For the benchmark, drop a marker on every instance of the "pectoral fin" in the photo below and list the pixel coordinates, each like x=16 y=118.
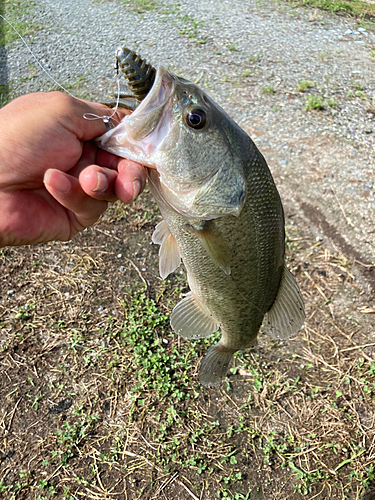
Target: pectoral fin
x=214 y=243
x=160 y=233
x=287 y=314
x=169 y=254
x=191 y=321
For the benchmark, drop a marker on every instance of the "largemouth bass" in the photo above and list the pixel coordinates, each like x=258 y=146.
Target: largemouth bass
x=222 y=215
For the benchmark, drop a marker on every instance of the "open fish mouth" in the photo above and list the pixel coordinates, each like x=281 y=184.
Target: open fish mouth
x=159 y=93
x=139 y=134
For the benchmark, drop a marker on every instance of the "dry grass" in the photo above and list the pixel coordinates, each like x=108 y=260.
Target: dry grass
x=100 y=400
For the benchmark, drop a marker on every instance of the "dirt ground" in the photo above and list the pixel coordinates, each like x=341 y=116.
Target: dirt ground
x=100 y=400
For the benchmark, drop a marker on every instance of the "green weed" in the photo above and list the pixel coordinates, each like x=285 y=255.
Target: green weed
x=254 y=59
x=192 y=27
x=4 y=95
x=246 y=73
x=141 y=6
x=314 y=103
x=157 y=367
x=72 y=435
x=303 y=85
x=268 y=89
x=307 y=479
x=331 y=102
x=350 y=7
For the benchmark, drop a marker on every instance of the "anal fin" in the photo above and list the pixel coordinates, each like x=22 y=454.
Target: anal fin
x=191 y=321
x=287 y=313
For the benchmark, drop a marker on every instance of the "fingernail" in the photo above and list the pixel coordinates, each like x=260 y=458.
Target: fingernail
x=101 y=182
x=136 y=188
x=58 y=181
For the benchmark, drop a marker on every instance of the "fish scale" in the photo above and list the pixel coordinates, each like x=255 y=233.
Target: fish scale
x=241 y=314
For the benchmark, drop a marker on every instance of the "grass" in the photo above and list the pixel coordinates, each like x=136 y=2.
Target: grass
x=4 y=95
x=356 y=8
x=304 y=85
x=158 y=369
x=112 y=397
x=191 y=28
x=268 y=89
x=317 y=103
x=141 y=6
x=17 y=12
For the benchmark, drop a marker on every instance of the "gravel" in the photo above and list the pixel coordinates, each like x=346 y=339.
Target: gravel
x=250 y=57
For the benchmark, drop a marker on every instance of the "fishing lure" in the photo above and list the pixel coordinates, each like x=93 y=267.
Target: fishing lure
x=139 y=76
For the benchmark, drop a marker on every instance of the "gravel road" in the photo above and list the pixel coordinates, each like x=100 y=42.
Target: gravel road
x=250 y=57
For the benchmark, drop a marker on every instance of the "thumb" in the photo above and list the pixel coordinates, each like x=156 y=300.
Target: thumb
x=86 y=119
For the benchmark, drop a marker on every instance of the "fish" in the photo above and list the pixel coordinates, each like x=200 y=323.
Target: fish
x=222 y=217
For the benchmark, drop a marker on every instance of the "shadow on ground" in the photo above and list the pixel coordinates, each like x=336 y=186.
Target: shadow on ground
x=4 y=84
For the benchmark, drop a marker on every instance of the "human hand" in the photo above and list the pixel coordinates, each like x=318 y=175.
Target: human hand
x=53 y=181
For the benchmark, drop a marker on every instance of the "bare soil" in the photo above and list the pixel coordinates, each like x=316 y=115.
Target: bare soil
x=295 y=419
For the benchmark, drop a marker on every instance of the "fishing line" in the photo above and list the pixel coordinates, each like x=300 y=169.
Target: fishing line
x=36 y=59
x=87 y=116
x=107 y=119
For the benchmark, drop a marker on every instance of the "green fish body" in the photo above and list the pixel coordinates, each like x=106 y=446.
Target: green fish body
x=222 y=215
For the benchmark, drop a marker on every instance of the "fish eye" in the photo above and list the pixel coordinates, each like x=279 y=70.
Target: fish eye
x=196 y=118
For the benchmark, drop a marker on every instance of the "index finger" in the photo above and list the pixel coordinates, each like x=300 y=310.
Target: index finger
x=131 y=180
x=108 y=160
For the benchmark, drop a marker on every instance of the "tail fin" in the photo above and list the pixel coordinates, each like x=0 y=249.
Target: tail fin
x=215 y=365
